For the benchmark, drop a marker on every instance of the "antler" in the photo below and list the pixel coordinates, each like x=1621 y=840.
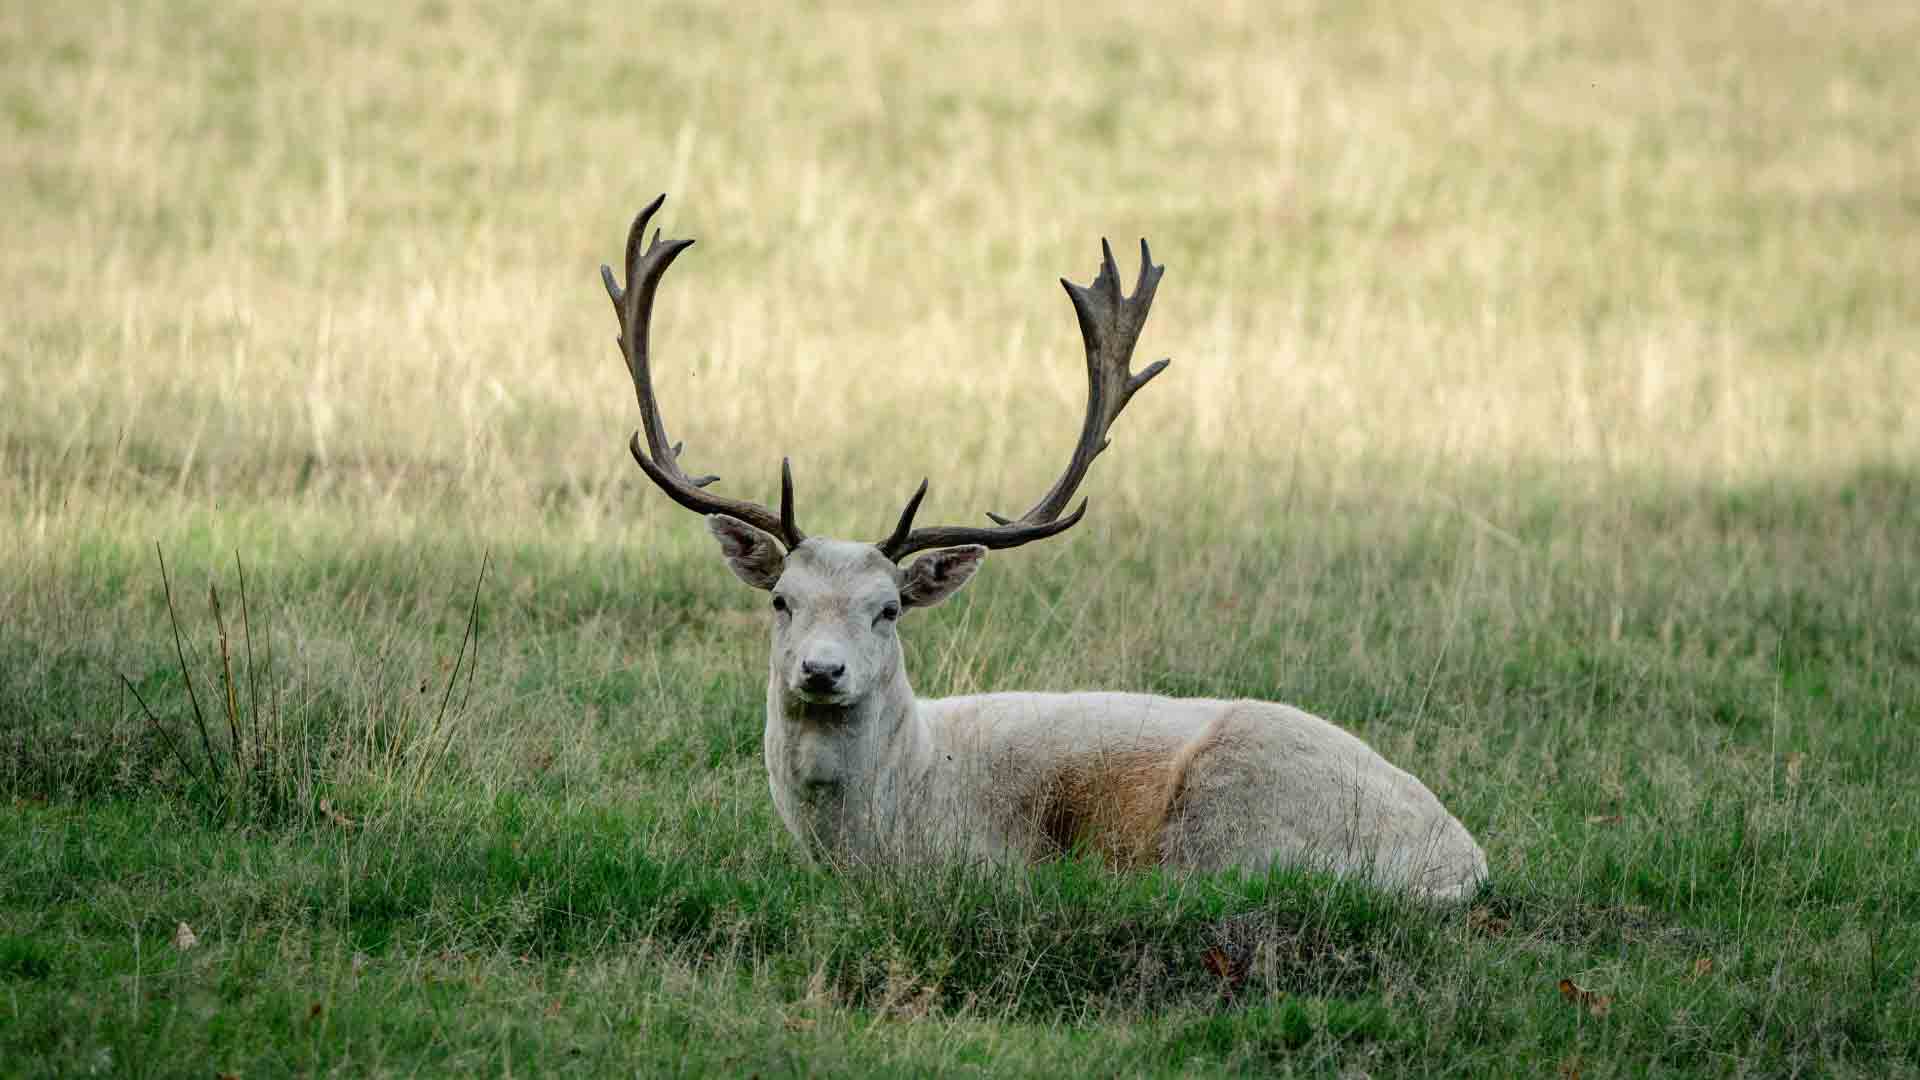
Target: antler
x=1110 y=325
x=661 y=459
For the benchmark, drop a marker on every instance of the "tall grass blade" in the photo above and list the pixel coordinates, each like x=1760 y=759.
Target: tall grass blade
x=186 y=674
x=160 y=729
x=253 y=680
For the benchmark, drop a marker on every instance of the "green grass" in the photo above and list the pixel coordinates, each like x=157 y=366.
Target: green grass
x=1540 y=411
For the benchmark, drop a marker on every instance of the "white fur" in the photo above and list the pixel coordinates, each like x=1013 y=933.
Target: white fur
x=871 y=773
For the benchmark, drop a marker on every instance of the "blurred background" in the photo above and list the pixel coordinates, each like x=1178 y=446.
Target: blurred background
x=348 y=252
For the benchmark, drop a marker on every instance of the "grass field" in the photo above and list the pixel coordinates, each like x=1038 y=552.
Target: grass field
x=1542 y=410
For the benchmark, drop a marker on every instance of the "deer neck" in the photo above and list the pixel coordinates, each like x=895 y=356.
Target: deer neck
x=842 y=777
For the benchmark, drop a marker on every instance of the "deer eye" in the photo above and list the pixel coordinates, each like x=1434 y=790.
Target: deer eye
x=889 y=612
x=780 y=604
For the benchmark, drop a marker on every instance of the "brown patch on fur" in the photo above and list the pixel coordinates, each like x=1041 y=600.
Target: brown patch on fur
x=1208 y=739
x=1117 y=802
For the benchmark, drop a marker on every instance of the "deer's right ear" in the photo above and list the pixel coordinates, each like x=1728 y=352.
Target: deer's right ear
x=752 y=554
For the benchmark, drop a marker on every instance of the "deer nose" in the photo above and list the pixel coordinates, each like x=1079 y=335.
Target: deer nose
x=821 y=674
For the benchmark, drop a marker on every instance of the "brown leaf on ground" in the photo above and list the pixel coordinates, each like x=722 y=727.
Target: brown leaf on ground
x=1217 y=962
x=335 y=816
x=314 y=1010
x=1232 y=975
x=1794 y=761
x=1702 y=967
x=922 y=1004
x=1569 y=1068
x=1597 y=1004
x=184 y=938
x=1483 y=920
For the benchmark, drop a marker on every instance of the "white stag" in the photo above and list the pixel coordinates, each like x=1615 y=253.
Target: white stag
x=862 y=770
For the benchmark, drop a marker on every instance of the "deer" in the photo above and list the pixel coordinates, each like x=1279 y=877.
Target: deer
x=864 y=772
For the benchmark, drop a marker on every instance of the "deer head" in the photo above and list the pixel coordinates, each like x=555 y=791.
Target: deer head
x=836 y=602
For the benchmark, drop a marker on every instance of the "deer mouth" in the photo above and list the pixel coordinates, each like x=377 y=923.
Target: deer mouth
x=825 y=710
x=820 y=696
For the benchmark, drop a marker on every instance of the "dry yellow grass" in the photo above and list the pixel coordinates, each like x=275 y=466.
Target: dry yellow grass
x=360 y=242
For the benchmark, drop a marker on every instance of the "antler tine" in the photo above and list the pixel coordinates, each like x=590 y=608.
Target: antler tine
x=1110 y=325
x=1006 y=536
x=789 y=531
x=659 y=458
x=904 y=528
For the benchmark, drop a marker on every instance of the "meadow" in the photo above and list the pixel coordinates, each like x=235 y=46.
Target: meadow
x=1541 y=410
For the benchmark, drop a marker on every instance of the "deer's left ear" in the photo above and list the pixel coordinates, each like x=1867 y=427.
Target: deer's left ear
x=939 y=574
